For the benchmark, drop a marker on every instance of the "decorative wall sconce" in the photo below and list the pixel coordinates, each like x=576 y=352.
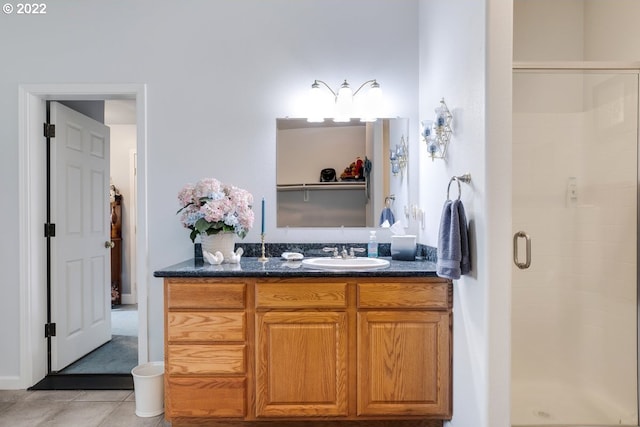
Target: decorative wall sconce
x=398 y=157
x=341 y=105
x=437 y=133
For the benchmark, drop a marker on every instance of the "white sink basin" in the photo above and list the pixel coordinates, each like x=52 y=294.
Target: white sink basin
x=349 y=264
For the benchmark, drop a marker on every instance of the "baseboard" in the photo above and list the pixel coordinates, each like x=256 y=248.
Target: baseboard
x=11 y=383
x=129 y=299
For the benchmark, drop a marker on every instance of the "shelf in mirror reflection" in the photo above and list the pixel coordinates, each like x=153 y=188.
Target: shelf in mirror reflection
x=346 y=185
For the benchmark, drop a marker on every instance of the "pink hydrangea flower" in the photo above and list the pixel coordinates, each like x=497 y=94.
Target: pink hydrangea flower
x=211 y=207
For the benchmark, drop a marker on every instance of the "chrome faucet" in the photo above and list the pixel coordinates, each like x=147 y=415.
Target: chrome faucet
x=352 y=251
x=334 y=250
x=344 y=254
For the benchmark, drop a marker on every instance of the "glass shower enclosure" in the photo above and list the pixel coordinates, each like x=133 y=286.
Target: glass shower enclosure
x=575 y=204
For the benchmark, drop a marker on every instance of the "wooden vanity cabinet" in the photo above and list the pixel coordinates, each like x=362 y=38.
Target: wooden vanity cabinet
x=205 y=349
x=404 y=349
x=284 y=350
x=302 y=349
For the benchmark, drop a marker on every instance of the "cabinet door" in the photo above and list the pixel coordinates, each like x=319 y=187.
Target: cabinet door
x=404 y=363
x=301 y=367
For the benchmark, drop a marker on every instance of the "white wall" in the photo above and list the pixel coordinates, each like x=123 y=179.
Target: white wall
x=481 y=105
x=217 y=76
x=123 y=141
x=548 y=30
x=576 y=30
x=613 y=30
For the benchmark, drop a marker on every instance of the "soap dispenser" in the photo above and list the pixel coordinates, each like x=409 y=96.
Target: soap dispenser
x=372 y=247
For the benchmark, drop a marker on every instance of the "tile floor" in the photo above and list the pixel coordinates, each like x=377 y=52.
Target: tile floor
x=71 y=408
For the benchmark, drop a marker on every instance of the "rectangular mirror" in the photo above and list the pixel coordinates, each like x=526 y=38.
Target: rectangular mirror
x=359 y=154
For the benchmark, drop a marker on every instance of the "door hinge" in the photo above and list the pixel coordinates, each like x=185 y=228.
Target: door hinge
x=49 y=330
x=49 y=130
x=49 y=230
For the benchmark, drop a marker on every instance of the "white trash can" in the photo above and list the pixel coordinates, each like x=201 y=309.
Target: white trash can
x=148 y=386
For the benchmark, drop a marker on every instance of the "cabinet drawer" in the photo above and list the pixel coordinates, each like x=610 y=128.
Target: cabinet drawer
x=301 y=295
x=432 y=295
x=205 y=359
x=206 y=397
x=205 y=326
x=202 y=295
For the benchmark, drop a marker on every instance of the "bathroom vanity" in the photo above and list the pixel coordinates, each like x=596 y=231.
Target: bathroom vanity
x=276 y=344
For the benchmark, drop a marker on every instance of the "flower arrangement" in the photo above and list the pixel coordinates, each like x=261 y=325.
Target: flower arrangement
x=211 y=207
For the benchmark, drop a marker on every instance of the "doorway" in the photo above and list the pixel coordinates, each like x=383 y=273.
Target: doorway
x=112 y=297
x=32 y=100
x=575 y=195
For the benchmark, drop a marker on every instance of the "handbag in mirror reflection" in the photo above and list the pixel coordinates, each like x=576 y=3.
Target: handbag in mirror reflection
x=328 y=175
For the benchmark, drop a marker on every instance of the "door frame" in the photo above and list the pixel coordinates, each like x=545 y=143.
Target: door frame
x=132 y=296
x=31 y=203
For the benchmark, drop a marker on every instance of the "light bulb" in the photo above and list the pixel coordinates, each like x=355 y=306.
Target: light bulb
x=344 y=103
x=373 y=103
x=317 y=104
x=427 y=129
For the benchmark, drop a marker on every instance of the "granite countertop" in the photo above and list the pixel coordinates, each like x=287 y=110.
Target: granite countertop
x=277 y=267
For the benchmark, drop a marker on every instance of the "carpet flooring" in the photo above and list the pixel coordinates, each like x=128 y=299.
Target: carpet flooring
x=119 y=355
x=124 y=320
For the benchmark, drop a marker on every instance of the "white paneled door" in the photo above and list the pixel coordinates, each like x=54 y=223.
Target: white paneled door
x=81 y=252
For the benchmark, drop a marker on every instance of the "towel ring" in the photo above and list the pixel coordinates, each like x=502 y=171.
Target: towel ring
x=464 y=178
x=455 y=178
x=388 y=201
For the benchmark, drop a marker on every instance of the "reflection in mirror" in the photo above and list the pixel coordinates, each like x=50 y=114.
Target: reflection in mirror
x=310 y=194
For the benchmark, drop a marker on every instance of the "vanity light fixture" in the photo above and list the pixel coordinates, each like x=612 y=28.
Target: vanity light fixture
x=437 y=133
x=343 y=103
x=398 y=157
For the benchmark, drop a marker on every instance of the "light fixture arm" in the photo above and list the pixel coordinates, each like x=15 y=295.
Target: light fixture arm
x=373 y=82
x=437 y=133
x=316 y=85
x=343 y=109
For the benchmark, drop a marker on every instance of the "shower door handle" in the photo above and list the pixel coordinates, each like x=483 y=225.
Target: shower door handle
x=516 y=259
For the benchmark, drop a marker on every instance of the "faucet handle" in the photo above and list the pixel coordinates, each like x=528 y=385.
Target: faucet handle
x=334 y=250
x=352 y=251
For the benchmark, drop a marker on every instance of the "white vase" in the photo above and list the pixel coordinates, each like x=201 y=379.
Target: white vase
x=221 y=242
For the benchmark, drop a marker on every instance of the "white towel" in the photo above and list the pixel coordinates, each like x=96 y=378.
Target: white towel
x=453 y=242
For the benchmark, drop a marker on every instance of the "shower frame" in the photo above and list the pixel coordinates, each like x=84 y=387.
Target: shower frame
x=612 y=67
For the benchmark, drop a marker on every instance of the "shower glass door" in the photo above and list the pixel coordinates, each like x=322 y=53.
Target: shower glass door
x=574 y=309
